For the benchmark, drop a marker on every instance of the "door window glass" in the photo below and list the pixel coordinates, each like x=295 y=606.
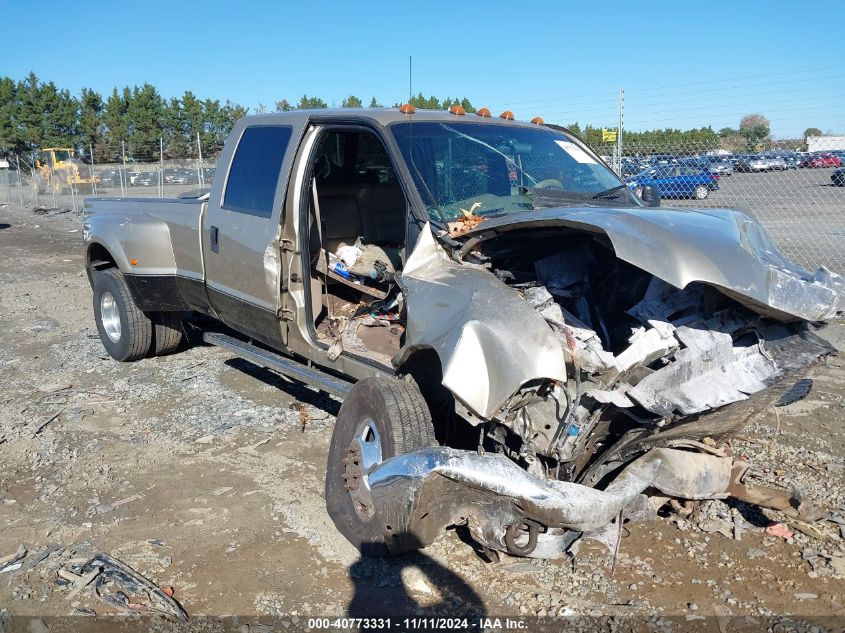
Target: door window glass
x=251 y=185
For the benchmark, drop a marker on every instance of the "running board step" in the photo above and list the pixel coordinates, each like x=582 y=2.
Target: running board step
x=281 y=364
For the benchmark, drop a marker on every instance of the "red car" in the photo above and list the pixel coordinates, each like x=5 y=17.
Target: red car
x=823 y=160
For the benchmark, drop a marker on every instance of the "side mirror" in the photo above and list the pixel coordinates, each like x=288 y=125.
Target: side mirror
x=651 y=196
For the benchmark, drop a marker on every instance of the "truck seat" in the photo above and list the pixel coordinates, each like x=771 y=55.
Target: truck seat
x=374 y=212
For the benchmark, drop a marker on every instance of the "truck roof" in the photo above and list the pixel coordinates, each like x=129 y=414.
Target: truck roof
x=380 y=116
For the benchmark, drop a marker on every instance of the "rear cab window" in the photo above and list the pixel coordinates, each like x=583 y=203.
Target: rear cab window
x=254 y=173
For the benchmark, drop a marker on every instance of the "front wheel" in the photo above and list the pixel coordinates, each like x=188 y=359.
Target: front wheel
x=379 y=419
x=701 y=192
x=125 y=331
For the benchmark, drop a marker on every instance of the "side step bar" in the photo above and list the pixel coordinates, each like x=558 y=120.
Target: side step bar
x=281 y=364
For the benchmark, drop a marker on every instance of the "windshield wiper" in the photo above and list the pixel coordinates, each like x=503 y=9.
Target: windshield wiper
x=607 y=193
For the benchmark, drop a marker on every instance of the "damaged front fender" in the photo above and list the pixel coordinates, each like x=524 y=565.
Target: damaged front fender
x=489 y=340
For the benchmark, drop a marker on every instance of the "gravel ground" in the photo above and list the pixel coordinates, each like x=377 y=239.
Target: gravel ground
x=206 y=474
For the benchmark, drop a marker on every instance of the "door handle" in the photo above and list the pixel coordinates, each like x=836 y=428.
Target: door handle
x=214 y=234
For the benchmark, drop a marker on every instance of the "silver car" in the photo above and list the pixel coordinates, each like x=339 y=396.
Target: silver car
x=718 y=165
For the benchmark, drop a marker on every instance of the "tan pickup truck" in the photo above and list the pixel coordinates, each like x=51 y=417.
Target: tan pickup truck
x=523 y=346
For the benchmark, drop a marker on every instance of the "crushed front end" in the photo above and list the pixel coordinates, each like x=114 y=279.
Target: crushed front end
x=587 y=387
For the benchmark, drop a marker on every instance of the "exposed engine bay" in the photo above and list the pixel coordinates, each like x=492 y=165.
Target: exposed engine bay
x=603 y=389
x=639 y=353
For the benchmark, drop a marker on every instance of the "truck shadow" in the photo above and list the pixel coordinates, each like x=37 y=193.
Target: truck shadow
x=384 y=587
x=295 y=390
x=3 y=225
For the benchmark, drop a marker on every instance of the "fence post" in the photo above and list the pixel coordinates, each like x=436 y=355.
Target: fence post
x=160 y=167
x=20 y=183
x=123 y=171
x=200 y=174
x=619 y=130
x=53 y=186
x=93 y=172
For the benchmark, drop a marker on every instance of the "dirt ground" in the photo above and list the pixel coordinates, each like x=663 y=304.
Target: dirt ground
x=205 y=473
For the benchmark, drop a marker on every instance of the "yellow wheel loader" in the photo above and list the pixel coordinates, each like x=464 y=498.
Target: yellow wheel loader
x=57 y=169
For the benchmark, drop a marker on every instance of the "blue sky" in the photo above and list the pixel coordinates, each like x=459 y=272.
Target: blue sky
x=682 y=64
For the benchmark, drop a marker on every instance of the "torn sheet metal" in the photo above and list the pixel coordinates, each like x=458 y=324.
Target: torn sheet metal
x=708 y=373
x=723 y=248
x=418 y=494
x=489 y=340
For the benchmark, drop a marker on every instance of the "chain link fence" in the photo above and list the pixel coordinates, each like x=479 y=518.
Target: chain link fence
x=796 y=189
x=797 y=195
x=64 y=177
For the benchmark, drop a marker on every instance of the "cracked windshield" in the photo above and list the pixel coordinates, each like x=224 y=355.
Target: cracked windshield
x=488 y=169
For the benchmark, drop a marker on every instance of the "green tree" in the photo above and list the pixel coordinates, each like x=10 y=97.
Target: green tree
x=812 y=131
x=115 y=124
x=311 y=103
x=375 y=104
x=29 y=122
x=351 y=102
x=144 y=118
x=90 y=123
x=283 y=106
x=755 y=128
x=9 y=107
x=176 y=124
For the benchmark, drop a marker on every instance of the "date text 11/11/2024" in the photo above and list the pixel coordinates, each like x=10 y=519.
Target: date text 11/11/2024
x=419 y=623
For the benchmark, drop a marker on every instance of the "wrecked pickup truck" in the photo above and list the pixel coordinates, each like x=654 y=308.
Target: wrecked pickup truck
x=523 y=346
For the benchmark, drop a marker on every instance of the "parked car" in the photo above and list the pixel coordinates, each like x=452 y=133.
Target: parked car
x=776 y=163
x=752 y=163
x=180 y=176
x=717 y=165
x=837 y=178
x=514 y=390
x=822 y=160
x=147 y=179
x=677 y=181
x=114 y=177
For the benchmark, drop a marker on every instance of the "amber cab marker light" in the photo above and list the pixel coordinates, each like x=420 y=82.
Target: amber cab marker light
x=133 y=261
x=537 y=120
x=507 y=115
x=406 y=109
x=458 y=109
x=484 y=112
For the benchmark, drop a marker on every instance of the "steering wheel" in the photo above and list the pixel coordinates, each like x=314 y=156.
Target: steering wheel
x=549 y=183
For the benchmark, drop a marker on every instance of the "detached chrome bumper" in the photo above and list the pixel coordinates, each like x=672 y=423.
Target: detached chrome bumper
x=417 y=495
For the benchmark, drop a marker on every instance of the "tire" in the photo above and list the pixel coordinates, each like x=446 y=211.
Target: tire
x=126 y=332
x=700 y=192
x=167 y=332
x=398 y=414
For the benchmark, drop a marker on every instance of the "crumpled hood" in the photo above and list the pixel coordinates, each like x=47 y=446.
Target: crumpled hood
x=721 y=247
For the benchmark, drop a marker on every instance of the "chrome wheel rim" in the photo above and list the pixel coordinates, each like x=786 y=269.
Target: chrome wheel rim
x=701 y=193
x=110 y=316
x=360 y=458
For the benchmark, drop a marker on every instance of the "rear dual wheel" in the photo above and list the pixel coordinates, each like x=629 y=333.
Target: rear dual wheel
x=125 y=330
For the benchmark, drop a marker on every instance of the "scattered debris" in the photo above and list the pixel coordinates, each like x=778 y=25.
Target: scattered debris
x=43 y=425
x=779 y=529
x=105 y=508
x=124 y=589
x=11 y=559
x=467 y=223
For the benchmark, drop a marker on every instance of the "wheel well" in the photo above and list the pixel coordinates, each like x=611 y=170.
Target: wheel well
x=99 y=258
x=426 y=371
